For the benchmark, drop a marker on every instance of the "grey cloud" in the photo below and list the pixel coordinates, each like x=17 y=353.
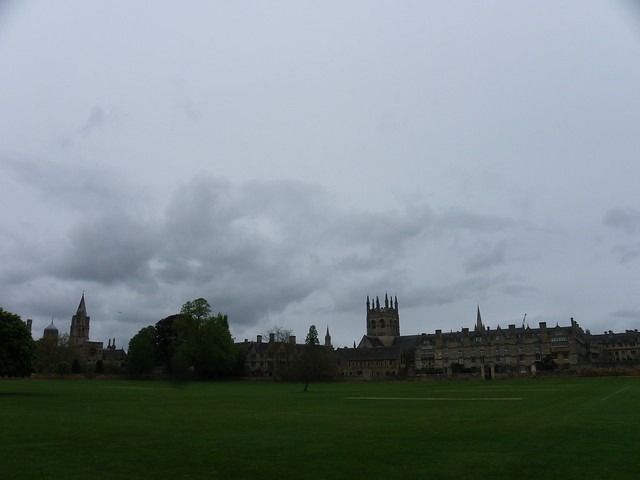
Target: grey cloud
x=626 y=219
x=108 y=249
x=626 y=253
x=487 y=257
x=254 y=250
x=82 y=186
x=466 y=220
x=627 y=313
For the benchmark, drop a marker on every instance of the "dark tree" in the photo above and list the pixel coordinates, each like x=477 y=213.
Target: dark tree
x=312 y=336
x=51 y=351
x=547 y=363
x=17 y=348
x=166 y=341
x=63 y=368
x=204 y=345
x=316 y=363
x=76 y=367
x=142 y=348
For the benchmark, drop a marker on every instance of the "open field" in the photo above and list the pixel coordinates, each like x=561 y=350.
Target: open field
x=558 y=428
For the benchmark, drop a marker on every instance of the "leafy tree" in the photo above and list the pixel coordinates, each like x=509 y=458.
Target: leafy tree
x=281 y=334
x=312 y=336
x=166 y=340
x=17 y=347
x=142 y=349
x=546 y=364
x=204 y=343
x=51 y=351
x=315 y=363
x=62 y=368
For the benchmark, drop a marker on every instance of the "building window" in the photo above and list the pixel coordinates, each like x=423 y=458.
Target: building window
x=559 y=341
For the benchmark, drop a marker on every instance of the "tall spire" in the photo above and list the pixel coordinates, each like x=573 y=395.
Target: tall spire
x=386 y=300
x=368 y=303
x=82 y=309
x=479 y=325
x=327 y=338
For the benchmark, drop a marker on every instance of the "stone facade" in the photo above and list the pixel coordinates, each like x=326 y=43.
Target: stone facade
x=269 y=359
x=482 y=352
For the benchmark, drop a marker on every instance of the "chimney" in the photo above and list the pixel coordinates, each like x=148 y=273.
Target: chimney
x=272 y=337
x=259 y=338
x=292 y=339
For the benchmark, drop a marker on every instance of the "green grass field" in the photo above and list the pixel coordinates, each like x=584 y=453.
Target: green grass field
x=570 y=428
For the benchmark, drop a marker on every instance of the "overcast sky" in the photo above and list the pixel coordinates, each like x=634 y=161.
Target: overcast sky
x=286 y=159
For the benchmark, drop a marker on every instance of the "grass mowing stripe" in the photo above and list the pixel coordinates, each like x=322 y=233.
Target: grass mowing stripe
x=448 y=399
x=614 y=393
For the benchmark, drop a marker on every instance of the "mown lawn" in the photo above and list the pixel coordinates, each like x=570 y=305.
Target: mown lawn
x=578 y=428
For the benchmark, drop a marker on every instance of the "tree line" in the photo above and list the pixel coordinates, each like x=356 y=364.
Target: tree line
x=194 y=344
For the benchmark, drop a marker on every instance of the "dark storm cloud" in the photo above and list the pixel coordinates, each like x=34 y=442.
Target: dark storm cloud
x=108 y=249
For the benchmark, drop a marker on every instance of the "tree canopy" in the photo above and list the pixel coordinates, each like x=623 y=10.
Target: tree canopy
x=312 y=336
x=204 y=345
x=17 y=347
x=142 y=351
x=193 y=343
x=52 y=351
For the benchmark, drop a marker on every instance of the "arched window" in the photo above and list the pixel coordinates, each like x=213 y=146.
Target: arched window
x=381 y=323
x=373 y=324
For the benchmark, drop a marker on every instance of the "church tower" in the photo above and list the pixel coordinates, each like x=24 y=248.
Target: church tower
x=383 y=320
x=80 y=325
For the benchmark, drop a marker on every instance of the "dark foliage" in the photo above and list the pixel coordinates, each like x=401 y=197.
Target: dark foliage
x=17 y=348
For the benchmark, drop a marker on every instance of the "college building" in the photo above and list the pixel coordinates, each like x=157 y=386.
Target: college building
x=479 y=352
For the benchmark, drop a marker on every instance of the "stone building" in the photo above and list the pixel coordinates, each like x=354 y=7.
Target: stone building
x=92 y=353
x=269 y=359
x=610 y=349
x=382 y=352
x=481 y=352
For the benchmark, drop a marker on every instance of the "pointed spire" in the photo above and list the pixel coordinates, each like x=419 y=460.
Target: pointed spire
x=386 y=300
x=377 y=303
x=479 y=325
x=327 y=338
x=396 y=301
x=368 y=308
x=82 y=309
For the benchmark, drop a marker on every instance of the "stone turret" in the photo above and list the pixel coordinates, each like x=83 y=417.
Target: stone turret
x=383 y=321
